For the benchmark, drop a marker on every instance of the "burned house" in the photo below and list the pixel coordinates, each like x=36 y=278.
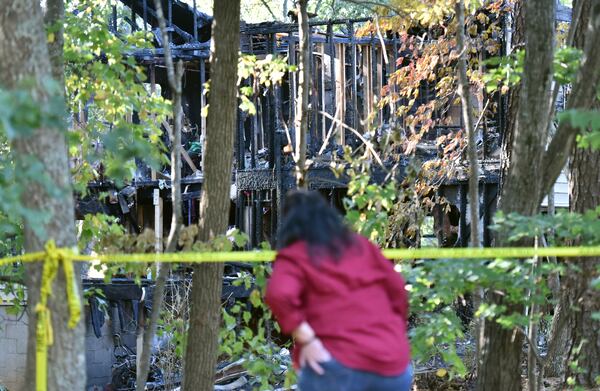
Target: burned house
x=349 y=72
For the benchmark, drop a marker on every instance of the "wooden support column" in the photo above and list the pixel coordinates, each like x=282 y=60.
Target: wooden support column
x=195 y=22
x=379 y=81
x=353 y=74
x=340 y=91
x=292 y=83
x=332 y=73
x=393 y=69
x=145 y=14
x=114 y=19
x=202 y=106
x=367 y=74
x=313 y=87
x=464 y=240
x=322 y=93
x=152 y=91
x=258 y=215
x=157 y=201
x=372 y=74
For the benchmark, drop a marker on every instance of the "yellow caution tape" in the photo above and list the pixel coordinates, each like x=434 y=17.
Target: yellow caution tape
x=53 y=258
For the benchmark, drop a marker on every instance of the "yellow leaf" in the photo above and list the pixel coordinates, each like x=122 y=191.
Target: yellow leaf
x=441 y=372
x=50 y=37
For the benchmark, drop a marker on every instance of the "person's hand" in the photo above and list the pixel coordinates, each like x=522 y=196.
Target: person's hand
x=313 y=353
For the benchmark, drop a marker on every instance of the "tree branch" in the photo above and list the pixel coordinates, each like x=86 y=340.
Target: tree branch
x=302 y=97
x=264 y=2
x=465 y=98
x=366 y=142
x=371 y=4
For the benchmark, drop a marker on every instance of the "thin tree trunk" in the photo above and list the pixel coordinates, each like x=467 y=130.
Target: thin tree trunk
x=467 y=114
x=465 y=97
x=24 y=55
x=201 y=350
x=302 y=98
x=174 y=75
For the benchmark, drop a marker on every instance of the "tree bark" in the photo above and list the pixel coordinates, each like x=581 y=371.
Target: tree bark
x=518 y=40
x=174 y=75
x=583 y=96
x=24 y=56
x=464 y=92
x=467 y=113
x=501 y=348
x=302 y=98
x=578 y=300
x=201 y=351
x=53 y=20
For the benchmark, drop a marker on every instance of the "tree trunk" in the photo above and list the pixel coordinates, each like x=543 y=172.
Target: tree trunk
x=24 y=55
x=467 y=113
x=302 y=99
x=501 y=349
x=578 y=299
x=464 y=92
x=518 y=39
x=201 y=351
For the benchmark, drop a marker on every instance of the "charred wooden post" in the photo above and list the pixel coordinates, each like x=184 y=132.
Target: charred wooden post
x=195 y=21
x=353 y=96
x=463 y=229
x=145 y=14
x=202 y=70
x=332 y=80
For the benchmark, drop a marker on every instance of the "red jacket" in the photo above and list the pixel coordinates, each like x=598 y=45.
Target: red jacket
x=357 y=305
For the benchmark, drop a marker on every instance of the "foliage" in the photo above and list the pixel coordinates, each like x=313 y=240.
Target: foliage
x=368 y=206
x=389 y=213
x=588 y=122
x=505 y=72
x=105 y=91
x=248 y=332
x=435 y=286
x=22 y=111
x=559 y=228
x=255 y=73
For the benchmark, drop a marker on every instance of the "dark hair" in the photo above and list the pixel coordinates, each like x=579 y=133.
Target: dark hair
x=308 y=217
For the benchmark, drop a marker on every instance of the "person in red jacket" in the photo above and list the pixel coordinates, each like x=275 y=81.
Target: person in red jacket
x=341 y=300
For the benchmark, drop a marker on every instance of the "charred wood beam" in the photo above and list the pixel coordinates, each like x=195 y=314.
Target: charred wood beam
x=185 y=20
x=354 y=97
x=187 y=52
x=331 y=52
x=269 y=27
